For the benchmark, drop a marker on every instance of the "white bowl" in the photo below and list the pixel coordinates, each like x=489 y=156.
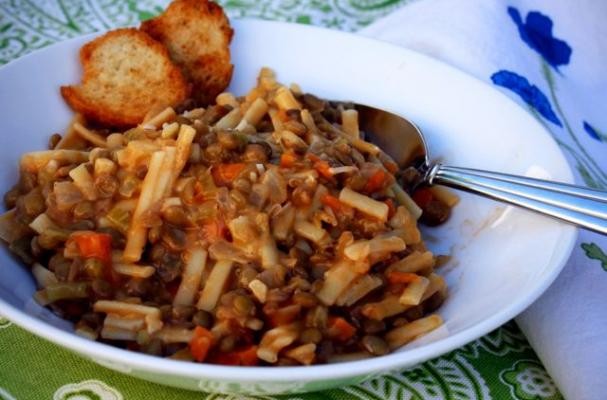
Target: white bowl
x=503 y=258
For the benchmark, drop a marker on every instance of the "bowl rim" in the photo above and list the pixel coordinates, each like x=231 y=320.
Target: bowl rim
x=350 y=369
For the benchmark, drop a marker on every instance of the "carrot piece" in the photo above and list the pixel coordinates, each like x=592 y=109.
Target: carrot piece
x=392 y=167
x=333 y=203
x=224 y=174
x=376 y=182
x=340 y=329
x=93 y=245
x=288 y=160
x=422 y=197
x=201 y=343
x=214 y=229
x=402 y=277
x=323 y=169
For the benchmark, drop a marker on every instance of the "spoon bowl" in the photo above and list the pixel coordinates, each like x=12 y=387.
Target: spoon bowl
x=404 y=142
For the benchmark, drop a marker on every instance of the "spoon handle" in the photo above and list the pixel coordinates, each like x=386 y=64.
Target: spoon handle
x=584 y=207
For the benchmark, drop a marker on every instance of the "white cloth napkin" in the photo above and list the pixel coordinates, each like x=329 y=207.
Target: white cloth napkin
x=551 y=57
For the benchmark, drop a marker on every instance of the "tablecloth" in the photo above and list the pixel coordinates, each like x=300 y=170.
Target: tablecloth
x=550 y=57
x=501 y=365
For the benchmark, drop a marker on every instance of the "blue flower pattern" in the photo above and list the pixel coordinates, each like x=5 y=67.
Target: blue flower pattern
x=536 y=32
x=530 y=94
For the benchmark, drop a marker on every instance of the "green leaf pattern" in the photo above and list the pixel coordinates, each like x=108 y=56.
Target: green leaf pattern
x=26 y=25
x=464 y=374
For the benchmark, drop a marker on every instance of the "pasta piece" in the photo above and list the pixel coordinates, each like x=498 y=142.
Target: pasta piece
x=33 y=162
x=175 y=335
x=86 y=332
x=157 y=120
x=43 y=276
x=285 y=100
x=191 y=277
x=282 y=222
x=303 y=354
x=358 y=289
x=169 y=131
x=349 y=123
x=43 y=223
x=389 y=306
x=267 y=246
x=184 y=148
x=112 y=333
x=90 y=136
x=364 y=204
x=259 y=289
x=254 y=113
x=214 y=285
x=276 y=121
x=164 y=181
x=104 y=166
x=131 y=323
x=136 y=236
x=84 y=181
x=365 y=147
x=277 y=339
x=404 y=334
x=71 y=139
x=404 y=199
x=437 y=284
x=337 y=279
x=230 y=120
x=413 y=293
x=375 y=247
x=311 y=232
x=123 y=308
x=136 y=271
x=115 y=141
x=227 y=99
x=414 y=262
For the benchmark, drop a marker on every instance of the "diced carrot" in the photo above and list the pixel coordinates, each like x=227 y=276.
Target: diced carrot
x=201 y=343
x=340 y=329
x=224 y=174
x=323 y=168
x=333 y=203
x=402 y=277
x=214 y=229
x=288 y=159
x=422 y=197
x=376 y=182
x=392 y=167
x=93 y=245
x=246 y=357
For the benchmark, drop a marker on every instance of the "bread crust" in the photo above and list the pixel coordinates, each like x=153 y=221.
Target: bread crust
x=125 y=74
x=197 y=34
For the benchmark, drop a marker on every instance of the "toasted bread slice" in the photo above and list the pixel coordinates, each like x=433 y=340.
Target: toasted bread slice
x=125 y=74
x=197 y=34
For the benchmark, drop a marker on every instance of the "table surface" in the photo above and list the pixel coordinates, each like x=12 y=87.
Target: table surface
x=501 y=365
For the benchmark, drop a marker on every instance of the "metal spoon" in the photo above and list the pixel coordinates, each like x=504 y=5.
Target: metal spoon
x=405 y=143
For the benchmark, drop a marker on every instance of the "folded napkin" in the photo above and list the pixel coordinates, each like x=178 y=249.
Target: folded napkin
x=550 y=57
